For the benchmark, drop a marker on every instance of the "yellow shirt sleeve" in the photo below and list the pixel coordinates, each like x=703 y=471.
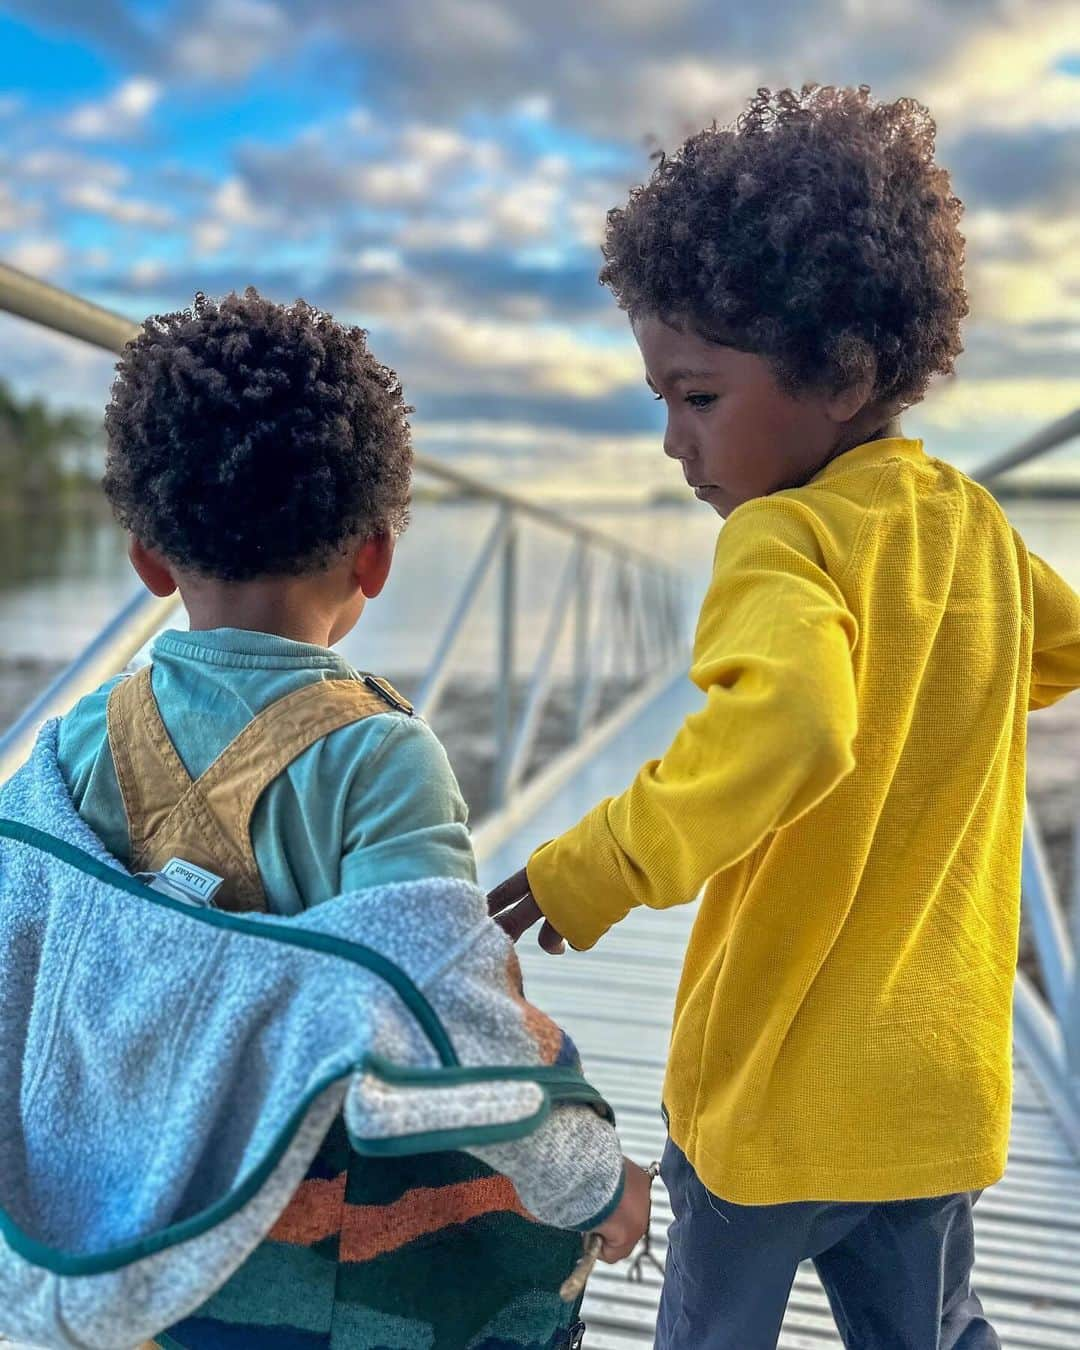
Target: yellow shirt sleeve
x=772 y=656
x=1055 y=655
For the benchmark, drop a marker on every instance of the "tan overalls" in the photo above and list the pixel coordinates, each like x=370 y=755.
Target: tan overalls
x=207 y=821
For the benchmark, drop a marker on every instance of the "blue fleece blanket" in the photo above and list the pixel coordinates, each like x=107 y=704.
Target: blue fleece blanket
x=167 y=1073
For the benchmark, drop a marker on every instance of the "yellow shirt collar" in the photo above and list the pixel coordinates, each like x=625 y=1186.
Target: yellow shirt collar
x=872 y=452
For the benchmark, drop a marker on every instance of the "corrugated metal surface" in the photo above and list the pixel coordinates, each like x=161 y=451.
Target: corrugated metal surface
x=616 y=1001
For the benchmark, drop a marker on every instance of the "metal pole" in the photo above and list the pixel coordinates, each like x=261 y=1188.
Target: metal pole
x=599 y=647
x=1049 y=438
x=1072 y=1019
x=582 y=646
x=504 y=689
x=61 y=311
x=438 y=671
x=529 y=723
x=1047 y=922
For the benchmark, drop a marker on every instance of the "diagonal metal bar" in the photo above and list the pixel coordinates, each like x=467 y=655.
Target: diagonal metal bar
x=1048 y=927
x=106 y=654
x=1072 y=1018
x=1049 y=438
x=529 y=724
x=583 y=653
x=507 y=654
x=1039 y=1038
x=601 y=645
x=438 y=672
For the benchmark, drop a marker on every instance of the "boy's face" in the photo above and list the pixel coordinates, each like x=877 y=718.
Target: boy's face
x=736 y=433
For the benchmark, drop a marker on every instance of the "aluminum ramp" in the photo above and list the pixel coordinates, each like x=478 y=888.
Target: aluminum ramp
x=616 y=1001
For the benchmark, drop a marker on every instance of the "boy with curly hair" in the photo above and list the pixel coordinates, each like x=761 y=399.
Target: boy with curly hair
x=259 y=457
x=850 y=793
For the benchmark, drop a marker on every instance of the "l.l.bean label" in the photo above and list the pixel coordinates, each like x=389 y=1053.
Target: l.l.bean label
x=196 y=881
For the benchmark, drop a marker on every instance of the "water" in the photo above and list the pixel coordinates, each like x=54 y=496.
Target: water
x=61 y=578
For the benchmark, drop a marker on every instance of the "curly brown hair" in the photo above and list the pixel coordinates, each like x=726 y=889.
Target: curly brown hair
x=817 y=231
x=249 y=439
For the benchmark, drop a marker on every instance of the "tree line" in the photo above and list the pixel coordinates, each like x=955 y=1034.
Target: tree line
x=47 y=454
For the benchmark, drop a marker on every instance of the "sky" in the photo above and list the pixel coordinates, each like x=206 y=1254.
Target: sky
x=439 y=171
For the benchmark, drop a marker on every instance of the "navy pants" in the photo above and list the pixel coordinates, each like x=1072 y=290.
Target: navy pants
x=897 y=1275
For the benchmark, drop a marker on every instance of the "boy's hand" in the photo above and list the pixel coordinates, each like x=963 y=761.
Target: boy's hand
x=513 y=908
x=630 y=1222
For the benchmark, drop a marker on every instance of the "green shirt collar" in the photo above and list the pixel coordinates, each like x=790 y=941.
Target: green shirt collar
x=243 y=647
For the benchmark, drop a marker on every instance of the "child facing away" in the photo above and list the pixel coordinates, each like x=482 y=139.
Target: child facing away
x=259 y=457
x=850 y=793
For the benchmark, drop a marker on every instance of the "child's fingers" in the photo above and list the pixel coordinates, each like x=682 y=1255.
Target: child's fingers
x=613 y=1252
x=507 y=892
x=551 y=940
x=514 y=922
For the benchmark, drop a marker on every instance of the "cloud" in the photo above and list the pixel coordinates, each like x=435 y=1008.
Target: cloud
x=1015 y=168
x=337 y=166
x=1007 y=73
x=507 y=357
x=117 y=116
x=41 y=257
x=1024 y=266
x=16 y=214
x=1030 y=398
x=499 y=282
x=106 y=24
x=56 y=165
x=101 y=201
x=232 y=208
x=226 y=40
x=457 y=211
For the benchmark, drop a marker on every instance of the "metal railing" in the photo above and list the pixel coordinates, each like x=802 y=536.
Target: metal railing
x=628 y=611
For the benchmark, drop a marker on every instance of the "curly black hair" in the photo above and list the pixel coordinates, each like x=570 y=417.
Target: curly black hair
x=817 y=231
x=249 y=439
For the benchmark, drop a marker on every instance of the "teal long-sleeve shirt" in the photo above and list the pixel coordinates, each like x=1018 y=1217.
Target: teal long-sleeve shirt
x=371 y=803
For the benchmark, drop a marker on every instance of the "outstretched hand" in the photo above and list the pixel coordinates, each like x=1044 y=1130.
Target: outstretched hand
x=513 y=908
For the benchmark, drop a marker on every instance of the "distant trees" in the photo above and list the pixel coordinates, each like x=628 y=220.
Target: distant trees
x=46 y=454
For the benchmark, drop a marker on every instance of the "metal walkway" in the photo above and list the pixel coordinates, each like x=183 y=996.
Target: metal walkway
x=617 y=1000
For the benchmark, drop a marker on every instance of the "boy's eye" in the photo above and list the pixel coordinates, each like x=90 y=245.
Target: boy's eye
x=700 y=400
x=658 y=398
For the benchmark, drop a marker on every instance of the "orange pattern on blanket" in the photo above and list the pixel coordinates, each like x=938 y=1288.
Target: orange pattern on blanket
x=372 y=1230
x=546 y=1034
x=313 y=1213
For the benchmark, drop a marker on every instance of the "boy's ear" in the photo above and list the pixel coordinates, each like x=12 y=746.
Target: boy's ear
x=371 y=563
x=848 y=402
x=153 y=570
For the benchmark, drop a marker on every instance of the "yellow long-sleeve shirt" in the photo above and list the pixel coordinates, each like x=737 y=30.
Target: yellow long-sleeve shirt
x=852 y=793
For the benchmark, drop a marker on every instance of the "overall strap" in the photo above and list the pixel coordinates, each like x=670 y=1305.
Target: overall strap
x=208 y=821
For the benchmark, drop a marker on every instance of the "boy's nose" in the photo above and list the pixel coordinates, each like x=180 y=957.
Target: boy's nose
x=674 y=446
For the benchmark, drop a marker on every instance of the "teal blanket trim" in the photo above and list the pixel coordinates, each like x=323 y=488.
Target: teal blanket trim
x=413 y=999
x=558 y=1084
